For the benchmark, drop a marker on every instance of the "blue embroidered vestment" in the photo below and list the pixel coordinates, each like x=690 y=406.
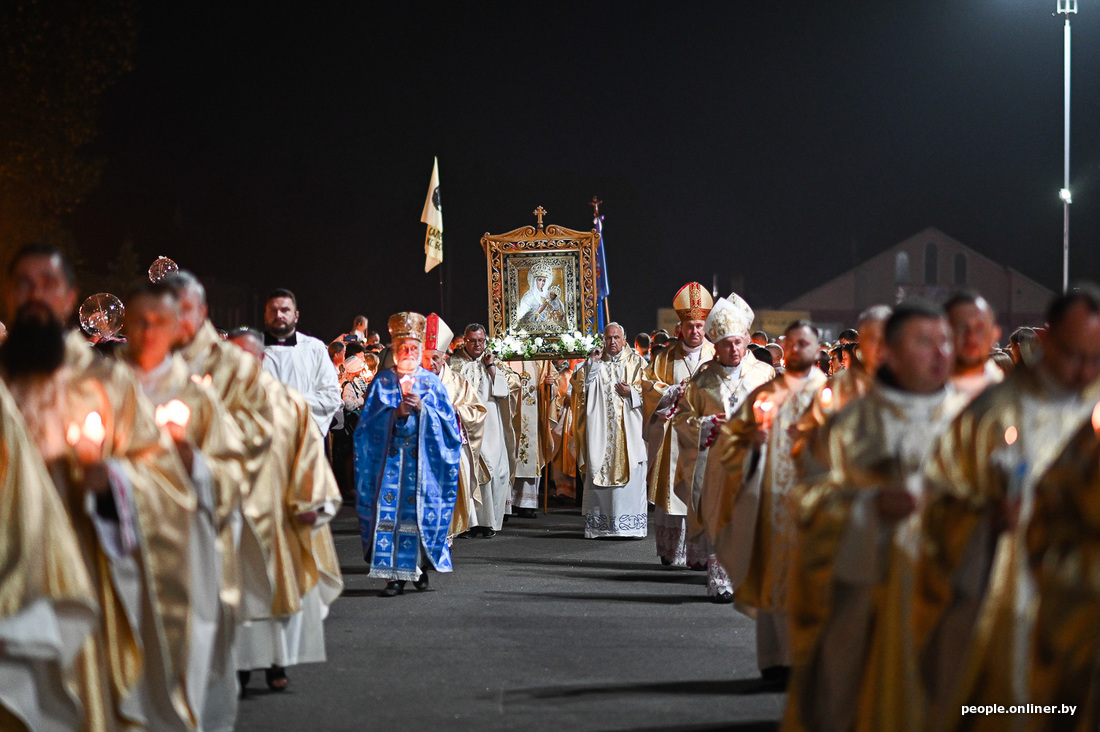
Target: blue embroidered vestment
x=406 y=475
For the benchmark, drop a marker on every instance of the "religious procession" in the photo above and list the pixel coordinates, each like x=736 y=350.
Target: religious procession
x=908 y=514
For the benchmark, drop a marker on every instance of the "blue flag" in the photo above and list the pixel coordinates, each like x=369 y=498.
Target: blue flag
x=602 y=286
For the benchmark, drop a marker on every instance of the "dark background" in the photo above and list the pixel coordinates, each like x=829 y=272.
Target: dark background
x=279 y=144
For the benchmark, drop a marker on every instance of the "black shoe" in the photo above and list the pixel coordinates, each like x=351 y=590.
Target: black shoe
x=722 y=598
x=666 y=562
x=488 y=532
x=242 y=681
x=777 y=675
x=394 y=588
x=422 y=583
x=276 y=678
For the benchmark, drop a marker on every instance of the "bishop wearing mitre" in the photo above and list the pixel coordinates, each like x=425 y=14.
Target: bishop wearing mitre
x=471 y=416
x=710 y=398
x=664 y=384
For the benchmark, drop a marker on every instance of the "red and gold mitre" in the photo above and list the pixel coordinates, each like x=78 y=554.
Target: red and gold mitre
x=692 y=302
x=439 y=336
x=407 y=325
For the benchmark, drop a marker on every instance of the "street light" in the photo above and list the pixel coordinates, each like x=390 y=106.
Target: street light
x=1066 y=7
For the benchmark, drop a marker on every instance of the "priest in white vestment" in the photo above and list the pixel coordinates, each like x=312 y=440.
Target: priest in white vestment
x=300 y=361
x=613 y=453
x=532 y=428
x=497 y=386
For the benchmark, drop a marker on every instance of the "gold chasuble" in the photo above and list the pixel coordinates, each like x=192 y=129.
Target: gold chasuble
x=810 y=446
x=234 y=376
x=662 y=387
x=714 y=391
x=974 y=603
x=852 y=646
x=751 y=520
x=295 y=478
x=144 y=622
x=471 y=414
x=44 y=587
x=1063 y=542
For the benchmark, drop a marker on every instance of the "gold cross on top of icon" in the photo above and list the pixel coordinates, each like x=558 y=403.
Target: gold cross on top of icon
x=540 y=212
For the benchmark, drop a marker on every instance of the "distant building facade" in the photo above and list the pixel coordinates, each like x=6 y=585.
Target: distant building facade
x=930 y=264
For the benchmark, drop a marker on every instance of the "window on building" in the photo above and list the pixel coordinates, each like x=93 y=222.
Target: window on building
x=931 y=263
x=960 y=269
x=901 y=268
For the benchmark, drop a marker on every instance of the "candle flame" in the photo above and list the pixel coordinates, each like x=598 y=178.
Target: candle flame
x=1096 y=418
x=174 y=412
x=1011 y=434
x=93 y=428
x=72 y=435
x=826 y=398
x=406 y=383
x=202 y=380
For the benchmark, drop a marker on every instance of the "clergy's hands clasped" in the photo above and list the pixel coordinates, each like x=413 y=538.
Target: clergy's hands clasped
x=623 y=389
x=894 y=503
x=409 y=403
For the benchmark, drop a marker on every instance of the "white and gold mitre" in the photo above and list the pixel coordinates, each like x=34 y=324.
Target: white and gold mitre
x=439 y=335
x=407 y=325
x=692 y=302
x=729 y=316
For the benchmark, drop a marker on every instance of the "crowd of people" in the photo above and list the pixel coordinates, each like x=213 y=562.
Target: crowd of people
x=909 y=514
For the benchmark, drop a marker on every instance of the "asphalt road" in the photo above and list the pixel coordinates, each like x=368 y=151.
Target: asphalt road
x=537 y=628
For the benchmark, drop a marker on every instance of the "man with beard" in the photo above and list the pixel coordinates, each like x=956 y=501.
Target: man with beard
x=497 y=386
x=753 y=527
x=210 y=446
x=974 y=590
x=126 y=494
x=976 y=332
x=471 y=418
x=662 y=388
x=298 y=360
x=407 y=450
x=712 y=395
x=851 y=590
x=609 y=431
x=290 y=574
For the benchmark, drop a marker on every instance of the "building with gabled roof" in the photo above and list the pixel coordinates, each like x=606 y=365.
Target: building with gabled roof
x=929 y=264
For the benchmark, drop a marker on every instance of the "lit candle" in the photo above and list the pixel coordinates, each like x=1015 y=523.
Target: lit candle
x=827 y=400
x=1096 y=418
x=174 y=413
x=1009 y=459
x=87 y=439
x=407 y=383
x=762 y=408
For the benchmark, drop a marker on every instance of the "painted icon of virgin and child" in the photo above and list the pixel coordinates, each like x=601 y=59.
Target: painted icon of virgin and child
x=542 y=302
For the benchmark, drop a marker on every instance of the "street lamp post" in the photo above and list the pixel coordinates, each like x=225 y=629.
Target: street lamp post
x=1066 y=7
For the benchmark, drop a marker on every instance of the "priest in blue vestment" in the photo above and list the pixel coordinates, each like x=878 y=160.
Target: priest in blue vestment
x=407 y=454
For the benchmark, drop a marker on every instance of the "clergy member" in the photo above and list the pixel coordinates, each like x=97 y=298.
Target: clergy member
x=532 y=430
x=609 y=429
x=407 y=457
x=471 y=415
x=125 y=492
x=210 y=446
x=290 y=572
x=974 y=592
x=298 y=360
x=497 y=386
x=753 y=527
x=662 y=388
x=47 y=603
x=976 y=334
x=711 y=397
x=851 y=590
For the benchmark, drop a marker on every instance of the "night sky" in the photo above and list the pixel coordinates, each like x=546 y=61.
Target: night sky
x=291 y=145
